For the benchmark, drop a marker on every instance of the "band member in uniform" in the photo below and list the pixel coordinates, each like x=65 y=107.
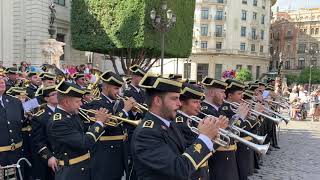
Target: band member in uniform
x=12 y=75
x=44 y=163
x=35 y=82
x=11 y=117
x=223 y=165
x=80 y=80
x=190 y=98
x=158 y=148
x=87 y=97
x=112 y=146
x=70 y=143
x=175 y=77
x=48 y=79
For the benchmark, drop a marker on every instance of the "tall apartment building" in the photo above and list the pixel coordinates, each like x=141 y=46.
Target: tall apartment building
x=296 y=36
x=230 y=34
x=24 y=28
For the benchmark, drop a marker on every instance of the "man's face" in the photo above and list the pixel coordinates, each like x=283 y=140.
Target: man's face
x=191 y=106
x=236 y=96
x=218 y=95
x=13 y=77
x=169 y=105
x=47 y=83
x=52 y=98
x=111 y=91
x=136 y=79
x=262 y=88
x=2 y=85
x=81 y=81
x=73 y=104
x=35 y=80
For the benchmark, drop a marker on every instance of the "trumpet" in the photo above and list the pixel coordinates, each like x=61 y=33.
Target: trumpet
x=225 y=142
x=261 y=149
x=238 y=130
x=114 y=121
x=271 y=112
x=254 y=112
x=140 y=108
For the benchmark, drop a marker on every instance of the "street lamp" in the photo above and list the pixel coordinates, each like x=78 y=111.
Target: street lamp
x=163 y=21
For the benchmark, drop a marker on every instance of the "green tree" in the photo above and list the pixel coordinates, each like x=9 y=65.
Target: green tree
x=305 y=75
x=244 y=75
x=122 y=29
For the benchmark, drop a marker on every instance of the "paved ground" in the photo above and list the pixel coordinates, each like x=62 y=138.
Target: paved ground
x=299 y=156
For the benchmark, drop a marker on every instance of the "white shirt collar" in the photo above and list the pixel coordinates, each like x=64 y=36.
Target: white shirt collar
x=135 y=87
x=107 y=97
x=214 y=106
x=51 y=107
x=167 y=122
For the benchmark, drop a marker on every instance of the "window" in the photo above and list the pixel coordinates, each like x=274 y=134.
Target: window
x=218 y=71
x=204 y=30
x=313 y=61
x=204 y=44
x=238 y=67
x=262 y=34
x=218 y=30
x=220 y=1
x=289 y=33
x=254 y=16
x=253 y=33
x=262 y=19
x=253 y=47
x=243 y=31
x=249 y=67
x=60 y=2
x=261 y=49
x=219 y=45
x=255 y=2
x=202 y=71
x=204 y=13
x=186 y=70
x=257 y=72
x=242 y=46
x=244 y=15
x=287 y=65
x=244 y=2
x=61 y=38
x=312 y=31
x=302 y=48
x=317 y=31
x=219 y=15
x=301 y=63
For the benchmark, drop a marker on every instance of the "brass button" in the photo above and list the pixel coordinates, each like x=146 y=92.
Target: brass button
x=111 y=146
x=8 y=122
x=82 y=169
x=227 y=158
x=65 y=154
x=10 y=131
x=12 y=140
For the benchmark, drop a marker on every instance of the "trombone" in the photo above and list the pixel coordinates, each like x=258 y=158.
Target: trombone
x=140 y=108
x=261 y=149
x=270 y=111
x=225 y=142
x=254 y=112
x=238 y=130
x=113 y=121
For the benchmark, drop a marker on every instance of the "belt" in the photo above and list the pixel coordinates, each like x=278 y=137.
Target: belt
x=230 y=148
x=11 y=147
x=113 y=138
x=75 y=160
x=28 y=128
x=248 y=138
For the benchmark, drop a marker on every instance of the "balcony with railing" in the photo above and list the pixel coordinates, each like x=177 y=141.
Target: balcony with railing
x=220 y=18
x=197 y=50
x=216 y=2
x=219 y=34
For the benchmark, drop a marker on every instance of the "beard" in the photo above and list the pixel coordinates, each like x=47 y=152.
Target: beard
x=168 y=113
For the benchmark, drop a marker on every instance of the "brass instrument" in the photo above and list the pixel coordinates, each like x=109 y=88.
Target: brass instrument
x=94 y=86
x=140 y=108
x=254 y=112
x=114 y=121
x=11 y=170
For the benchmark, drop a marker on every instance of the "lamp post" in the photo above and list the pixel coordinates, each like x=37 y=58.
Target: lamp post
x=163 y=21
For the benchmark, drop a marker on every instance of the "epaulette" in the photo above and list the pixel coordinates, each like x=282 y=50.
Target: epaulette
x=57 y=116
x=179 y=119
x=204 y=107
x=148 y=124
x=225 y=108
x=40 y=112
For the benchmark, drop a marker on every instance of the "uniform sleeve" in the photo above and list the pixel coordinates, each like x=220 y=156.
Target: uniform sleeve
x=64 y=132
x=152 y=152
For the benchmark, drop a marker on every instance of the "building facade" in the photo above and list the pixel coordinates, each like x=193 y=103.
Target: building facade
x=24 y=29
x=295 y=37
x=231 y=34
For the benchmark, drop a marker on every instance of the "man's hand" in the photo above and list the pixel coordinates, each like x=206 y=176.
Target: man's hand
x=53 y=163
x=223 y=122
x=259 y=107
x=209 y=127
x=243 y=110
x=102 y=115
x=129 y=104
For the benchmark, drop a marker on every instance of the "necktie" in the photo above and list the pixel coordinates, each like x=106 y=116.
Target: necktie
x=2 y=110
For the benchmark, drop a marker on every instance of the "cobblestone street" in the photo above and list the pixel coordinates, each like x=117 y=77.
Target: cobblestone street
x=299 y=156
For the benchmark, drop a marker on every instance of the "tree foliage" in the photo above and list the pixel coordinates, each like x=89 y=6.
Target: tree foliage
x=244 y=75
x=123 y=29
x=304 y=76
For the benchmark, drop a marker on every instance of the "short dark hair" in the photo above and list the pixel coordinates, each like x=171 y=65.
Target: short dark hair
x=151 y=94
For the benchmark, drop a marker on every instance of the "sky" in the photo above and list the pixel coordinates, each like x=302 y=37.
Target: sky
x=296 y=4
